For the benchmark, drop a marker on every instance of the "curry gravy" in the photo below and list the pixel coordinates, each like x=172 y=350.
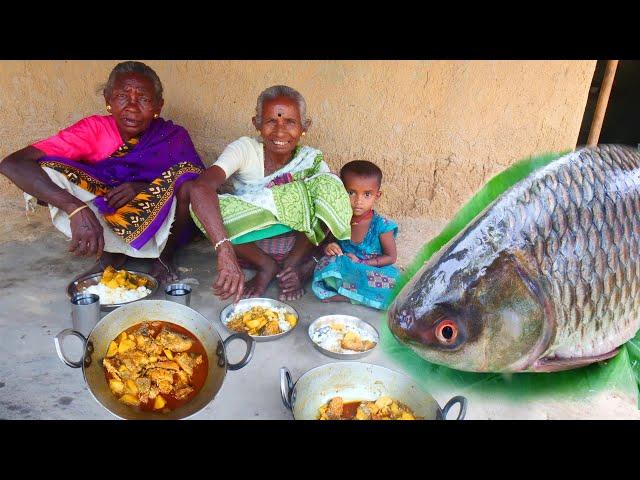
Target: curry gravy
x=349 y=410
x=384 y=408
x=197 y=379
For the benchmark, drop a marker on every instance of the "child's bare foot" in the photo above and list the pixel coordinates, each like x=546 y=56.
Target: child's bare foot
x=260 y=281
x=116 y=260
x=335 y=298
x=164 y=270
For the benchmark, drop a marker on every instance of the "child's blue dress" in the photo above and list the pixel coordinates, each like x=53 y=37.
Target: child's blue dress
x=362 y=284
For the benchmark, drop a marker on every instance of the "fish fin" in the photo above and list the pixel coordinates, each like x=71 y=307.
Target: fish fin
x=550 y=364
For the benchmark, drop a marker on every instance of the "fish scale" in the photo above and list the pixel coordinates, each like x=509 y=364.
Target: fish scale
x=576 y=223
x=576 y=271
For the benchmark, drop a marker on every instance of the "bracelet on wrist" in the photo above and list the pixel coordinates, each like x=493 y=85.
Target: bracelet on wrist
x=77 y=210
x=215 y=247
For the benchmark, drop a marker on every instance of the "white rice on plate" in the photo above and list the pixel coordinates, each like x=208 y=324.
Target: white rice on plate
x=110 y=296
x=330 y=338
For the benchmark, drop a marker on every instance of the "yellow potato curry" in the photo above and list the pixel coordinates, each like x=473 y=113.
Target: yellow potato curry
x=155 y=366
x=352 y=341
x=121 y=278
x=261 y=321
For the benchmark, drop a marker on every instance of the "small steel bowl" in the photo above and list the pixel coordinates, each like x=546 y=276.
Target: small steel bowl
x=245 y=304
x=347 y=320
x=79 y=285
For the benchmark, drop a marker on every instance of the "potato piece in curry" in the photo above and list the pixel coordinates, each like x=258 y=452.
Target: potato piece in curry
x=261 y=321
x=121 y=278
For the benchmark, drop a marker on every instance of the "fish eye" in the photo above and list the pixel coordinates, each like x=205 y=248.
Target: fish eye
x=447 y=332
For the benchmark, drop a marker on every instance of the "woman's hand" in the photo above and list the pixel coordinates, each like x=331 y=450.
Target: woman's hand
x=333 y=249
x=119 y=196
x=86 y=234
x=230 y=279
x=206 y=206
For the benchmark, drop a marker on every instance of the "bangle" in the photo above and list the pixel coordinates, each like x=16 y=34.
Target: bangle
x=77 y=210
x=215 y=247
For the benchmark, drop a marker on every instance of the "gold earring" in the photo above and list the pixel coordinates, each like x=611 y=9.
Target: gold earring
x=303 y=133
x=108 y=108
x=155 y=115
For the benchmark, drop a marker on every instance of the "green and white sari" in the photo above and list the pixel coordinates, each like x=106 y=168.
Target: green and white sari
x=311 y=196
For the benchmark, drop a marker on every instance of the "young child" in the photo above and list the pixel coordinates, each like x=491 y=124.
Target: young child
x=360 y=270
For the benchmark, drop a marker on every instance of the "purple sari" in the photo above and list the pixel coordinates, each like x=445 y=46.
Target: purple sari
x=164 y=157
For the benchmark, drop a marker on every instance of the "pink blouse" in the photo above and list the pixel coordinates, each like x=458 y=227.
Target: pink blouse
x=91 y=139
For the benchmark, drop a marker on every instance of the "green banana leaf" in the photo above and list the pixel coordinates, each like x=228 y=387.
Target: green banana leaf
x=621 y=373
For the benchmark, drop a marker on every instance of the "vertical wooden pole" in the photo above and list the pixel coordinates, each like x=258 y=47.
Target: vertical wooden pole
x=603 y=100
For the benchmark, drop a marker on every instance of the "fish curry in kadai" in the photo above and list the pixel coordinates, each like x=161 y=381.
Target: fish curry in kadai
x=384 y=408
x=155 y=366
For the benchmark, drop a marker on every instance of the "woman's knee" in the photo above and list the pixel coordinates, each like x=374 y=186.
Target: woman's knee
x=184 y=192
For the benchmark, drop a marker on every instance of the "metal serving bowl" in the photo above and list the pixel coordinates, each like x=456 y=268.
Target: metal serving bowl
x=79 y=285
x=347 y=320
x=355 y=381
x=97 y=344
x=230 y=310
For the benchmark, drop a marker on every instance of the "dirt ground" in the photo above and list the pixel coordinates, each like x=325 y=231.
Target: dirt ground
x=31 y=227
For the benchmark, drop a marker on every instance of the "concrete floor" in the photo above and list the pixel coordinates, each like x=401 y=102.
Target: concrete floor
x=35 y=384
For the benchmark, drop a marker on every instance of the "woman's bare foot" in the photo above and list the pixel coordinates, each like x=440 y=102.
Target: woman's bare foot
x=116 y=260
x=291 y=296
x=164 y=270
x=335 y=298
x=260 y=281
x=292 y=279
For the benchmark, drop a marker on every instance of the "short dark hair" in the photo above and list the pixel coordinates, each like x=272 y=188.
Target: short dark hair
x=133 y=67
x=362 y=168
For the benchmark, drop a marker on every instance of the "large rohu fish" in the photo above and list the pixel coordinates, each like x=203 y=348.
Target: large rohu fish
x=546 y=278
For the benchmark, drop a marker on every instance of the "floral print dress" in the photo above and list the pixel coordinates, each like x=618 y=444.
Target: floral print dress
x=360 y=283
